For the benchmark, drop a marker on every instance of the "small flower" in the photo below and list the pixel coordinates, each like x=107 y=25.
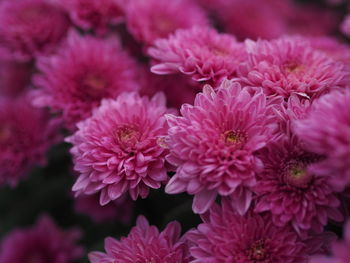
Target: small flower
x=44 y=242
x=116 y=150
x=145 y=244
x=153 y=19
x=290 y=192
x=83 y=72
x=326 y=131
x=200 y=52
x=26 y=134
x=289 y=65
x=213 y=144
x=226 y=236
x=120 y=210
x=29 y=28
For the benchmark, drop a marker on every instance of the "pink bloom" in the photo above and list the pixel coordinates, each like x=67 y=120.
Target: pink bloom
x=44 y=242
x=326 y=131
x=290 y=192
x=26 y=133
x=14 y=77
x=200 y=52
x=225 y=236
x=153 y=19
x=120 y=210
x=289 y=65
x=341 y=250
x=119 y=148
x=31 y=27
x=345 y=26
x=92 y=14
x=83 y=72
x=213 y=145
x=145 y=244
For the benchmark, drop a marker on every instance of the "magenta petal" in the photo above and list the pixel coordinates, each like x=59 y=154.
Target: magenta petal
x=203 y=201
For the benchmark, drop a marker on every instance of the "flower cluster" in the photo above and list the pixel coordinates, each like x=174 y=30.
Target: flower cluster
x=240 y=106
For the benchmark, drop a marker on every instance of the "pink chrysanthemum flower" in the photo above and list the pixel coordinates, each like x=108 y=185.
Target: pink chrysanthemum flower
x=92 y=14
x=26 y=134
x=326 y=131
x=120 y=148
x=289 y=65
x=145 y=244
x=45 y=242
x=31 y=27
x=290 y=192
x=120 y=210
x=83 y=72
x=225 y=236
x=153 y=19
x=213 y=145
x=200 y=52
x=345 y=26
x=340 y=249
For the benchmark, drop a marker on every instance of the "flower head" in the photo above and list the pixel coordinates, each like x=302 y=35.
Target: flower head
x=213 y=143
x=84 y=71
x=153 y=19
x=42 y=243
x=119 y=148
x=92 y=14
x=26 y=134
x=226 y=236
x=200 y=52
x=31 y=27
x=145 y=244
x=119 y=210
x=292 y=193
x=289 y=65
x=326 y=131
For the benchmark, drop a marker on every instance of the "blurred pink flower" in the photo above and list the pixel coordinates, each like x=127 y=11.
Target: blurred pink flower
x=326 y=131
x=119 y=149
x=119 y=210
x=290 y=65
x=83 y=72
x=200 y=52
x=225 y=236
x=213 y=145
x=92 y=14
x=153 y=19
x=290 y=192
x=26 y=134
x=29 y=28
x=44 y=242
x=145 y=244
